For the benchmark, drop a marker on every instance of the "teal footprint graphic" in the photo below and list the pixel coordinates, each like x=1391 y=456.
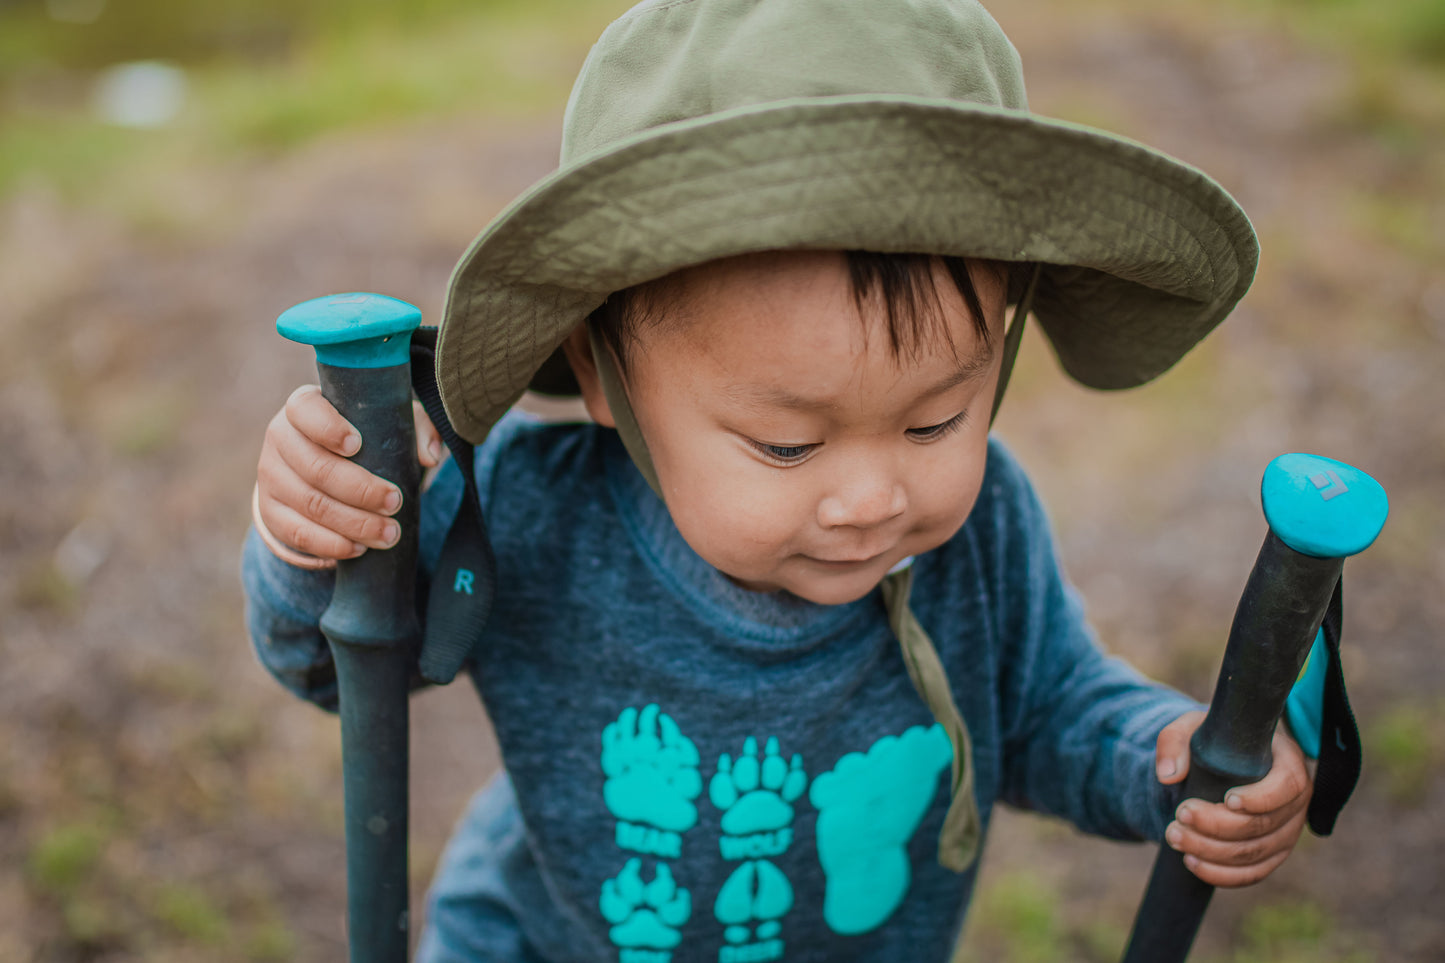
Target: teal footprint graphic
x=651 y=769
x=757 y=893
x=756 y=797
x=645 y=915
x=868 y=808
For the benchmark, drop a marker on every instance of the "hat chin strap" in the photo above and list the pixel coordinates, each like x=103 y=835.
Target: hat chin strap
x=958 y=840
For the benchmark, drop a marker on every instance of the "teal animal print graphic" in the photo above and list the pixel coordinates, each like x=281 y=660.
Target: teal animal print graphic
x=652 y=780
x=645 y=916
x=868 y=808
x=756 y=894
x=756 y=799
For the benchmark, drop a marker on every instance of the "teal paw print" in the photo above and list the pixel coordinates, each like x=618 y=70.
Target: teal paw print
x=756 y=797
x=651 y=769
x=868 y=808
x=757 y=893
x=645 y=915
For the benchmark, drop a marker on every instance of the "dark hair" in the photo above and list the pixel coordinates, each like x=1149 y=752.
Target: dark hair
x=903 y=283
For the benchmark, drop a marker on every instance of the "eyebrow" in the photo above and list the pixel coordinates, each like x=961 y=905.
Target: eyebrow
x=968 y=369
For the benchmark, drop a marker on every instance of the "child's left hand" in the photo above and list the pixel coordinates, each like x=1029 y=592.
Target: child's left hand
x=1243 y=839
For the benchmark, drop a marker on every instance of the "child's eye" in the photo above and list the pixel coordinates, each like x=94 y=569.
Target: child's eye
x=941 y=429
x=785 y=454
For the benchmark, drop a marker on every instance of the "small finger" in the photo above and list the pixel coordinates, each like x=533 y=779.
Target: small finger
x=369 y=529
x=1287 y=783
x=1245 y=852
x=304 y=535
x=1230 y=877
x=326 y=472
x=428 y=439
x=1171 y=751
x=1220 y=822
x=315 y=417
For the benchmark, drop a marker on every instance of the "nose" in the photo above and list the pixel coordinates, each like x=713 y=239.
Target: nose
x=866 y=500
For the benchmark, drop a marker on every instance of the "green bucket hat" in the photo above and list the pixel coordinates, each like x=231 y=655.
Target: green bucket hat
x=702 y=129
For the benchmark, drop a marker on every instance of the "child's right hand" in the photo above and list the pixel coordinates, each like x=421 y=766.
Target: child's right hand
x=311 y=498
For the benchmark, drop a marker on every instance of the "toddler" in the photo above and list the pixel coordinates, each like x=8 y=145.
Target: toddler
x=777 y=629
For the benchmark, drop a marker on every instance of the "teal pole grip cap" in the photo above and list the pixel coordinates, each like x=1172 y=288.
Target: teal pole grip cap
x=1322 y=507
x=355 y=330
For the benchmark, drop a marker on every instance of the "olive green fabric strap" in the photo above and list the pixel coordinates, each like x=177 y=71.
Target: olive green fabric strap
x=1013 y=337
x=959 y=839
x=621 y=408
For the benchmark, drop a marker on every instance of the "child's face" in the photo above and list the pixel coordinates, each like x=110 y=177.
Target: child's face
x=794 y=449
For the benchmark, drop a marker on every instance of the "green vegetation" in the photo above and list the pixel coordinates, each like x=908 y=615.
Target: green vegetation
x=1397 y=48
x=271 y=75
x=1404 y=746
x=1292 y=932
x=63 y=858
x=1015 y=920
x=190 y=914
x=1412 y=30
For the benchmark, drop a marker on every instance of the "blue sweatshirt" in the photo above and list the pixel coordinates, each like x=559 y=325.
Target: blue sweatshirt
x=697 y=772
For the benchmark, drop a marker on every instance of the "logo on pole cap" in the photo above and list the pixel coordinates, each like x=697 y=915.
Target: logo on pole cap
x=1322 y=507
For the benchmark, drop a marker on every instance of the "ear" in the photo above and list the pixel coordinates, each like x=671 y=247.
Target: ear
x=578 y=349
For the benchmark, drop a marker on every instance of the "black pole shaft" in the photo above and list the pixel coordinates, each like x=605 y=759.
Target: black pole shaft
x=373 y=632
x=1274 y=626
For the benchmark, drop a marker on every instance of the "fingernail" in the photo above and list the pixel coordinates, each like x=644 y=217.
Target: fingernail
x=1186 y=815
x=1233 y=801
x=391 y=502
x=1173 y=835
x=351 y=444
x=1192 y=862
x=390 y=532
x=1167 y=769
x=356 y=549
x=435 y=450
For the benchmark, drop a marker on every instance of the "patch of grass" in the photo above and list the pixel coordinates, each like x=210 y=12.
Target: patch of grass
x=92 y=922
x=1396 y=29
x=189 y=913
x=63 y=858
x=1018 y=915
x=270 y=942
x=357 y=69
x=1293 y=932
x=1402 y=222
x=1403 y=744
x=43 y=587
x=1103 y=940
x=1397 y=48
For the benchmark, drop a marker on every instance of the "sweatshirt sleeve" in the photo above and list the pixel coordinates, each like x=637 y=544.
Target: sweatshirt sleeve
x=1079 y=727
x=284 y=603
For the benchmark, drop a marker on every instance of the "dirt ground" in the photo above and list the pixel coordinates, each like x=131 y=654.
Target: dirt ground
x=161 y=799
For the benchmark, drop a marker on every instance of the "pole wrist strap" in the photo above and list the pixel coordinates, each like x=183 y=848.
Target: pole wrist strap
x=463 y=585
x=1340 y=754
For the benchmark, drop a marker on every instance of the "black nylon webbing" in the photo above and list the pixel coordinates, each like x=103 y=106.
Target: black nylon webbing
x=459 y=599
x=1340 y=753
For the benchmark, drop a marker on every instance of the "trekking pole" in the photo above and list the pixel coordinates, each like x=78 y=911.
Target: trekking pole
x=1319 y=512
x=362 y=346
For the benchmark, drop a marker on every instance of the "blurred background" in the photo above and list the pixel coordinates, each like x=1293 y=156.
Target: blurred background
x=173 y=175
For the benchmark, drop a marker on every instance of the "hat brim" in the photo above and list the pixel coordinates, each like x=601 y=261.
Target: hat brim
x=1143 y=254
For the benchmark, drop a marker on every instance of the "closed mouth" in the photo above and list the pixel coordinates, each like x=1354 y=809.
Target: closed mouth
x=847 y=561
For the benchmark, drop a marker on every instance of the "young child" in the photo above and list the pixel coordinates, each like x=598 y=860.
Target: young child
x=764 y=657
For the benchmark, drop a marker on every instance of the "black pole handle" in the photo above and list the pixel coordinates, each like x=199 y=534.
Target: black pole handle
x=1312 y=530
x=363 y=358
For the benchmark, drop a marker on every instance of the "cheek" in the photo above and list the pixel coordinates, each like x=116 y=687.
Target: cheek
x=724 y=505
x=945 y=494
